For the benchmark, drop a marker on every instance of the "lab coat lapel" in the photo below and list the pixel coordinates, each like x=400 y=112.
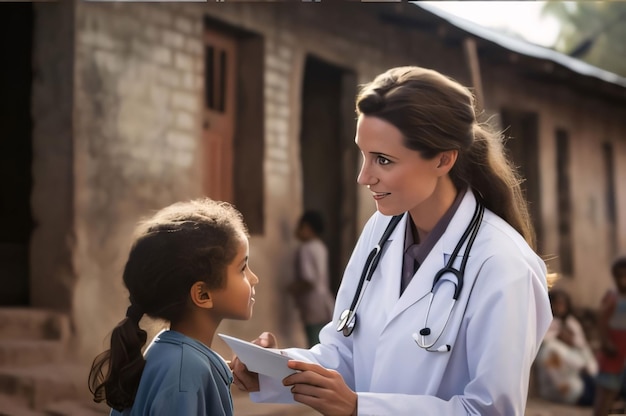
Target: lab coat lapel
x=389 y=271
x=422 y=281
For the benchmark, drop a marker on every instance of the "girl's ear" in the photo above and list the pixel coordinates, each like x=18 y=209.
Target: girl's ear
x=200 y=295
x=447 y=159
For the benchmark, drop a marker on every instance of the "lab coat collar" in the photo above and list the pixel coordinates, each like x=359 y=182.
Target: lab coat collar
x=422 y=281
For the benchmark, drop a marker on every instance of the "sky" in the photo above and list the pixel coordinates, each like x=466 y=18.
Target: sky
x=522 y=17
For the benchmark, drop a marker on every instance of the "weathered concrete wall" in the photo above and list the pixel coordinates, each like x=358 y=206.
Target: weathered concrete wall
x=52 y=243
x=589 y=122
x=138 y=87
x=137 y=138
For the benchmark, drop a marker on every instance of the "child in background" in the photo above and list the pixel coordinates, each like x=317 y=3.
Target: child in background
x=566 y=365
x=612 y=331
x=310 y=286
x=189 y=266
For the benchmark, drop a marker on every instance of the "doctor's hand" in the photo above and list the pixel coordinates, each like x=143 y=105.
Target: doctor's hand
x=244 y=379
x=266 y=340
x=322 y=389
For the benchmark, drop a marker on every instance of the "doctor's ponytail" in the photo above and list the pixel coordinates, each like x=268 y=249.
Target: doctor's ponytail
x=485 y=168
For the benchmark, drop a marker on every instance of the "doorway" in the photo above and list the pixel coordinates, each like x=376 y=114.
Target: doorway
x=329 y=157
x=16 y=31
x=219 y=113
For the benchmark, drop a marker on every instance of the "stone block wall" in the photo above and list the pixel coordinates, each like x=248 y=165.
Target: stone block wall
x=138 y=89
x=129 y=115
x=137 y=116
x=53 y=238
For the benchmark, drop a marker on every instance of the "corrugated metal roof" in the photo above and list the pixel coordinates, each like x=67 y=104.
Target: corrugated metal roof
x=523 y=47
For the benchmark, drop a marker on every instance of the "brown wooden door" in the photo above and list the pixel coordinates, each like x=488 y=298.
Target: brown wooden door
x=219 y=114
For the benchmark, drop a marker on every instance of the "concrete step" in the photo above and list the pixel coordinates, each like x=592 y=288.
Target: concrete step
x=29 y=323
x=77 y=408
x=24 y=353
x=243 y=407
x=12 y=406
x=43 y=385
x=13 y=273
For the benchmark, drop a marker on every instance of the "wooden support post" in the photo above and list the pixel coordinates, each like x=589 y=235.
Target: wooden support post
x=471 y=54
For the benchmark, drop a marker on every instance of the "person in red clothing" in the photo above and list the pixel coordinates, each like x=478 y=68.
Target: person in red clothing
x=612 y=331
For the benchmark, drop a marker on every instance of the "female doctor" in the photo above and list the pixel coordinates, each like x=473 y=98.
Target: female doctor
x=454 y=328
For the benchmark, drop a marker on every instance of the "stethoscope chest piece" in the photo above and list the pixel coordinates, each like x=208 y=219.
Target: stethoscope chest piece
x=347 y=322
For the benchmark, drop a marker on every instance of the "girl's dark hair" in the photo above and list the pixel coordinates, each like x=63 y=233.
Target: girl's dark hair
x=619 y=263
x=180 y=245
x=315 y=220
x=434 y=114
x=554 y=294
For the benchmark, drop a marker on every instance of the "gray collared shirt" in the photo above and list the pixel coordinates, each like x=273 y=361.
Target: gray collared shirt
x=415 y=252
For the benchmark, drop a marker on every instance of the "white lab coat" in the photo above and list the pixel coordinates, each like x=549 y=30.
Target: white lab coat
x=495 y=334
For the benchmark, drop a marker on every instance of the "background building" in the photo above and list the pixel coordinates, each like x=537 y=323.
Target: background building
x=113 y=110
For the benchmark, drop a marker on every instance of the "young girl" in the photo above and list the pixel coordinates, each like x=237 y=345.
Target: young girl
x=188 y=266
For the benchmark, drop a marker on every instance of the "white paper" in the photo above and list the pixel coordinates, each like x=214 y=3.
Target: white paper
x=268 y=361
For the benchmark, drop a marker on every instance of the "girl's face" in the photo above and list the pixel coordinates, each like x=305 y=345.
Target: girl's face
x=620 y=279
x=304 y=232
x=559 y=307
x=236 y=299
x=399 y=178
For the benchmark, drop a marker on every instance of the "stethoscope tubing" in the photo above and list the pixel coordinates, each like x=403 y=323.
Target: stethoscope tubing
x=348 y=317
x=366 y=275
x=347 y=320
x=471 y=231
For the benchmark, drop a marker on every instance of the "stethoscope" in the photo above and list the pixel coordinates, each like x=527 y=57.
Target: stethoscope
x=348 y=318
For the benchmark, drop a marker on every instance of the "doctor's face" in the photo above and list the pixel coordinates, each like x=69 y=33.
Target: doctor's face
x=399 y=178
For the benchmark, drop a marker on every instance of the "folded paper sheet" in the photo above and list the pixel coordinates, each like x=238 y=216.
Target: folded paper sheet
x=268 y=361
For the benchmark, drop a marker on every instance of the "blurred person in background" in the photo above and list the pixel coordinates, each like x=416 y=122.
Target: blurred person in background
x=612 y=332
x=310 y=285
x=566 y=365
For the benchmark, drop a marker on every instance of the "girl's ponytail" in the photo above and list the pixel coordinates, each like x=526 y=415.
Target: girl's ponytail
x=115 y=373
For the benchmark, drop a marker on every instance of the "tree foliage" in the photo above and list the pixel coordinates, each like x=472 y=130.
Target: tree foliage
x=593 y=31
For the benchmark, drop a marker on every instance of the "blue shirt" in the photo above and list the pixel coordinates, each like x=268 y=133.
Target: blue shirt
x=182 y=377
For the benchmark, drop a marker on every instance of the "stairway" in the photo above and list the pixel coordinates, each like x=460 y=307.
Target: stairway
x=37 y=376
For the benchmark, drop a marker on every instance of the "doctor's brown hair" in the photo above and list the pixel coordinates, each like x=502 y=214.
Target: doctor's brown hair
x=434 y=114
x=180 y=245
